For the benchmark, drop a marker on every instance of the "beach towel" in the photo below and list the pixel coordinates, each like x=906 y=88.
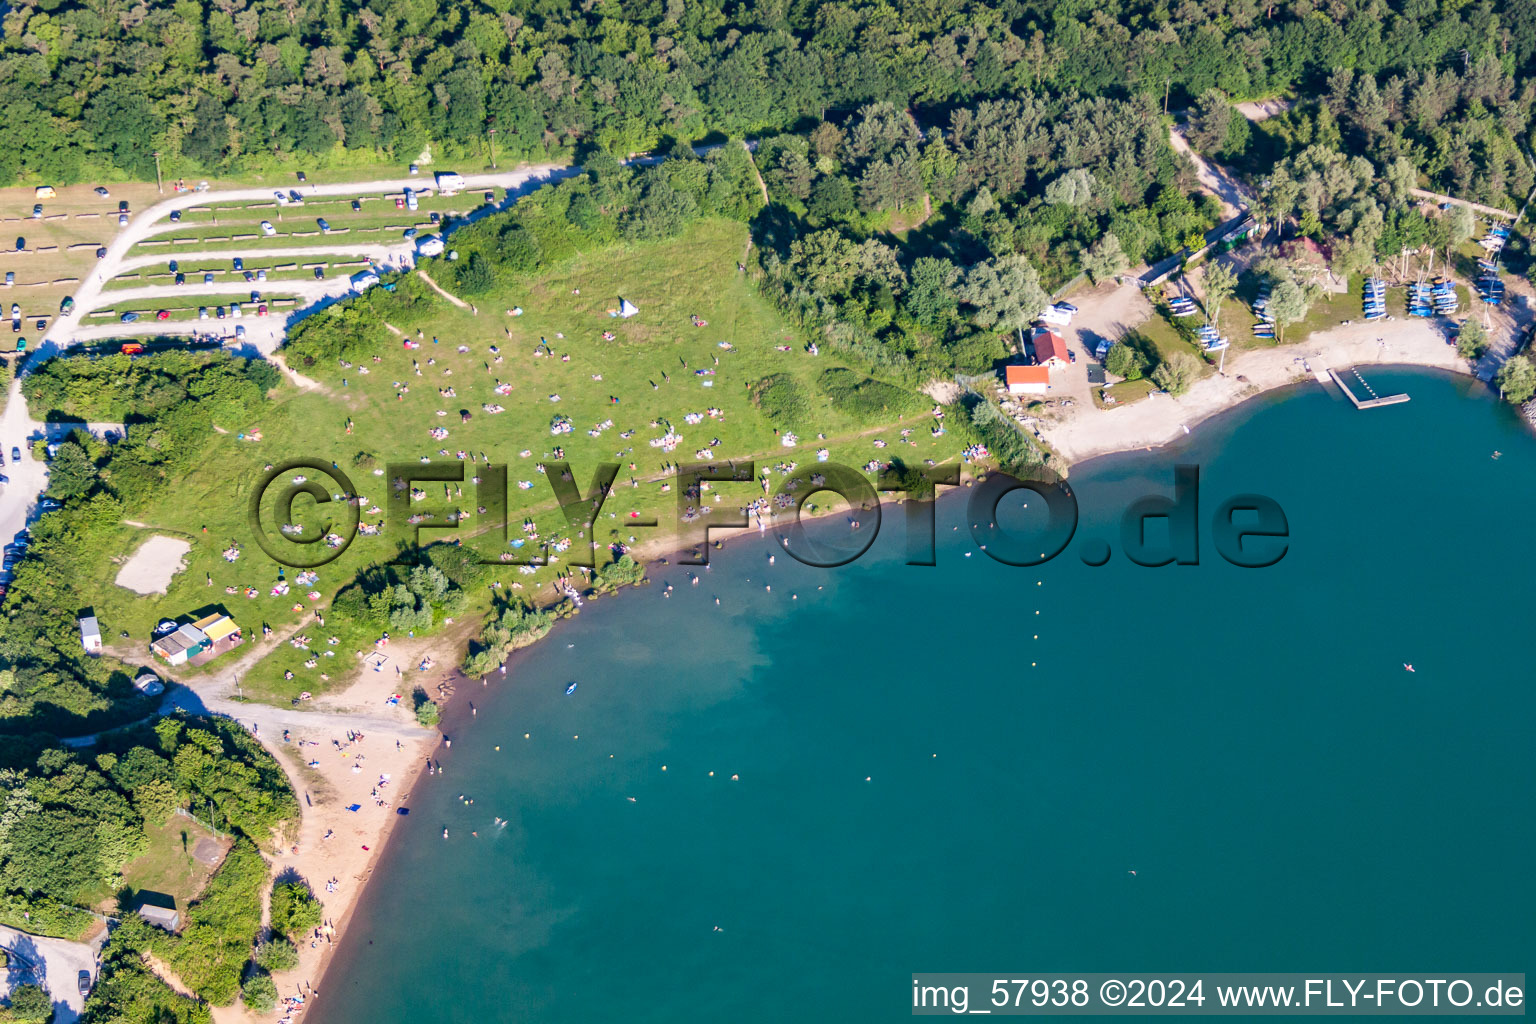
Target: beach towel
x=354 y=807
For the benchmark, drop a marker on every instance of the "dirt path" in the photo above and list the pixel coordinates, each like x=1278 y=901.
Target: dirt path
x=761 y=185
x=439 y=289
x=162 y=970
x=1217 y=180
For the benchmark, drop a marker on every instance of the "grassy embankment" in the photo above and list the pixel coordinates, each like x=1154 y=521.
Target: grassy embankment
x=669 y=281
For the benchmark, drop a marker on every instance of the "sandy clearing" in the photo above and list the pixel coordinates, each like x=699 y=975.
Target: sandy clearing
x=154 y=565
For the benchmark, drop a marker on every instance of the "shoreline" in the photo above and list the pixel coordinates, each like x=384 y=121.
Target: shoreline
x=1156 y=421
x=1077 y=440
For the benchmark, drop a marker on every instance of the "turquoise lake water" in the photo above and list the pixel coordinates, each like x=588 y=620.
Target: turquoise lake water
x=957 y=768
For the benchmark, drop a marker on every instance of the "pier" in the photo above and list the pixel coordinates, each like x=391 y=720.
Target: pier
x=1365 y=403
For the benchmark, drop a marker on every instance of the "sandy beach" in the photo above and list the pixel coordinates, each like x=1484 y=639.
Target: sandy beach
x=1086 y=431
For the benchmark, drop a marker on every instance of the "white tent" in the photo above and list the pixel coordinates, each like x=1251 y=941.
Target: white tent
x=627 y=309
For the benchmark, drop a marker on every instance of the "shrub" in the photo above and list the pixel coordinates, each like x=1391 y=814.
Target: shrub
x=277 y=954
x=260 y=993
x=865 y=398
x=782 y=399
x=295 y=910
x=427 y=711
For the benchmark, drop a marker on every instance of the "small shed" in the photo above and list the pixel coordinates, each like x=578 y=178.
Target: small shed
x=160 y=917
x=90 y=635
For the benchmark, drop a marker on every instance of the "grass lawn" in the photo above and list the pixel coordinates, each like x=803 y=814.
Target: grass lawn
x=642 y=380
x=168 y=865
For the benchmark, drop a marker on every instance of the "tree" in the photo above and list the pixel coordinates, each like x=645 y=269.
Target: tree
x=1125 y=361
x=1210 y=120
x=931 y=291
x=1219 y=282
x=278 y=954
x=1288 y=303
x=1517 y=380
x=1176 y=373
x=260 y=993
x=1472 y=342
x=30 y=1003
x=1075 y=188
x=1463 y=224
x=1104 y=259
x=1004 y=292
x=71 y=473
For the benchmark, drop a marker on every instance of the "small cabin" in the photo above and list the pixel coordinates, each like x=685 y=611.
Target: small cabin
x=90 y=635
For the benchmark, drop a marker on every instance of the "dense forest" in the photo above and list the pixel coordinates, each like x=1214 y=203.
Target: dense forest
x=98 y=87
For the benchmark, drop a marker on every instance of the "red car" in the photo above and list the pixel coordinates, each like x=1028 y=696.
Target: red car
x=261 y=310
x=164 y=314
x=399 y=204
x=132 y=348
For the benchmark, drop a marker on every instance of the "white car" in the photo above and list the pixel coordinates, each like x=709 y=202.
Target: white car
x=267 y=228
x=234 y=310
x=282 y=198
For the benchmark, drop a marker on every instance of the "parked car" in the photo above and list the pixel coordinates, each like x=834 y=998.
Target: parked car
x=239 y=263
x=219 y=312
x=435 y=217
x=409 y=233
x=319 y=273
x=122 y=220
x=490 y=196
x=415 y=169
x=174 y=266
x=234 y=310
x=37 y=209
x=163 y=314
x=129 y=318
x=250 y=276
x=239 y=330
x=261 y=310
x=356 y=205
x=1066 y=307
x=50 y=504
x=42 y=324
x=10 y=278
x=132 y=348
x=101 y=253
x=267 y=228
x=399 y=203
x=261 y=275
x=175 y=216
x=325 y=227
x=301 y=176
x=255 y=296
x=411 y=202
x=101 y=191
x=21 y=243
x=202 y=312
x=282 y=198
x=181 y=278
x=83 y=982
x=67 y=305
x=207 y=278
x=295 y=195
x=5 y=480
x=122 y=206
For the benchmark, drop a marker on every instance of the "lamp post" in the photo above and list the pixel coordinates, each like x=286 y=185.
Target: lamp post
x=159 y=187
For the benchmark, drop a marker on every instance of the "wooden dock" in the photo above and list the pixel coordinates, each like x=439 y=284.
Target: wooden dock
x=1365 y=403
